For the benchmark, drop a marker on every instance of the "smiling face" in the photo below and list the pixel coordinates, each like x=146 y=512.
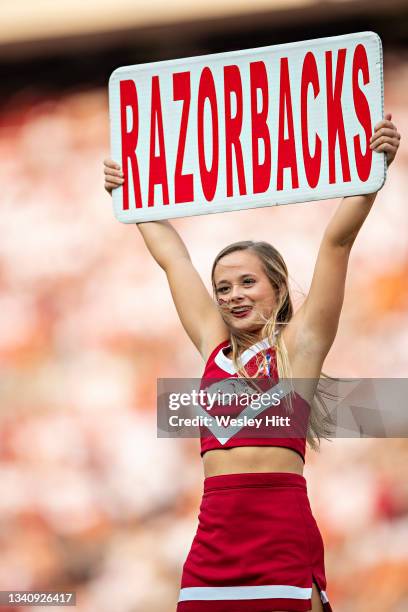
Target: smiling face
x=243 y=290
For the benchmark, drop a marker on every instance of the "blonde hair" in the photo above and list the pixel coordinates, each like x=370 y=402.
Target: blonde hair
x=320 y=422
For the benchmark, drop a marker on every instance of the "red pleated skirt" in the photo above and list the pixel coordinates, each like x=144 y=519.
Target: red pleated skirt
x=257 y=547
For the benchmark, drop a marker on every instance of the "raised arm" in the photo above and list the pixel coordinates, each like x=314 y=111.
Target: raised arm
x=197 y=311
x=317 y=320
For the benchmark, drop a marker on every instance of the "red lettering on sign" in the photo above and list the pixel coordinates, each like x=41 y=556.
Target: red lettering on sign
x=363 y=162
x=335 y=121
x=312 y=163
x=157 y=164
x=233 y=125
x=260 y=130
x=209 y=178
x=183 y=183
x=128 y=97
x=286 y=146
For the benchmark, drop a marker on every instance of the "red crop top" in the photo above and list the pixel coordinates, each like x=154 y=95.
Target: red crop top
x=220 y=367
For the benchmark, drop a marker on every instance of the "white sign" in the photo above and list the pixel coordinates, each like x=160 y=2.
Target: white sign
x=258 y=127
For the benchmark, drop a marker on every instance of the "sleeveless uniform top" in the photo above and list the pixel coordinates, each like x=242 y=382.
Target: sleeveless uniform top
x=220 y=367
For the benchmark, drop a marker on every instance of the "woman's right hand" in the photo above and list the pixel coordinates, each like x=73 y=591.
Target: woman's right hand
x=113 y=175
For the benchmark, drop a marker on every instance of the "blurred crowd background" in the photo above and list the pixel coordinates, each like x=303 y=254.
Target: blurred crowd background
x=90 y=499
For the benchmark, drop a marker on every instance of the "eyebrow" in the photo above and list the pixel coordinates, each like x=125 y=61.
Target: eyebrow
x=241 y=277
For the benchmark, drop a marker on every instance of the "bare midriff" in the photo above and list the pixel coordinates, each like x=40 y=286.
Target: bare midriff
x=242 y=459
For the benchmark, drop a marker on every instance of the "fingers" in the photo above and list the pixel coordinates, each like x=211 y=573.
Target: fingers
x=384 y=132
x=109 y=185
x=386 y=145
x=113 y=173
x=391 y=138
x=111 y=168
x=113 y=183
x=385 y=138
x=114 y=176
x=111 y=164
x=385 y=123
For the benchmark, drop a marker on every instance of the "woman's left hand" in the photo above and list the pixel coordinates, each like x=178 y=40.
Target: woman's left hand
x=386 y=138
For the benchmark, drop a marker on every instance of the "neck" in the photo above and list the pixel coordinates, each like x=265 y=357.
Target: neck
x=248 y=340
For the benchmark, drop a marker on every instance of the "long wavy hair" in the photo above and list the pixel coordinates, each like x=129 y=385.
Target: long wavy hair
x=320 y=421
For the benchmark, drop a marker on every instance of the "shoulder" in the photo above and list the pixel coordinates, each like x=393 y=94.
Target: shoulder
x=215 y=333
x=213 y=349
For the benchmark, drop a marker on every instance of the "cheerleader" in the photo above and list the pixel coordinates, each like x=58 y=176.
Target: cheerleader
x=257 y=547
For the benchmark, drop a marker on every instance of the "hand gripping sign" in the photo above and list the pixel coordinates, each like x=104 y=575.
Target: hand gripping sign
x=258 y=127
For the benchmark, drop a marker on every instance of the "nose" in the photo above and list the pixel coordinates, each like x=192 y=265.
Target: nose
x=236 y=293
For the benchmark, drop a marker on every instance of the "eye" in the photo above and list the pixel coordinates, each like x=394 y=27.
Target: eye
x=249 y=281
x=222 y=289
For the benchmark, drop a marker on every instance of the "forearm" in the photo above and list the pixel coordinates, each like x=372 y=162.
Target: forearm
x=348 y=219
x=163 y=242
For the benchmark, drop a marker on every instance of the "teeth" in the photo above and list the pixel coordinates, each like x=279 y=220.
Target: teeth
x=241 y=309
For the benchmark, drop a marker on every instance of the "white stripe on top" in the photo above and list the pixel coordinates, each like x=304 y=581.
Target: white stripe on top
x=226 y=364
